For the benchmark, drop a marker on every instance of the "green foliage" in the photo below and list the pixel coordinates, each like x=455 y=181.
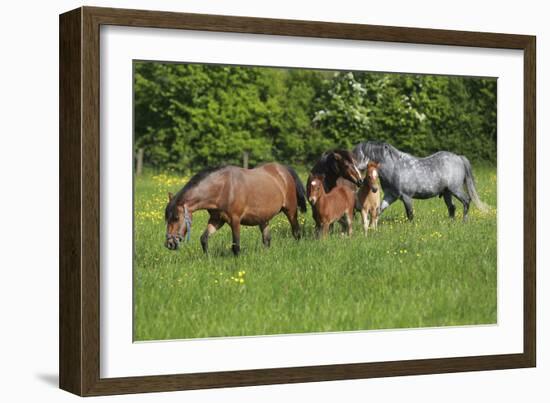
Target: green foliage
x=188 y=116
x=420 y=114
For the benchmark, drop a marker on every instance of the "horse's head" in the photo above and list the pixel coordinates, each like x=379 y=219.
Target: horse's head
x=178 y=223
x=343 y=163
x=315 y=188
x=372 y=175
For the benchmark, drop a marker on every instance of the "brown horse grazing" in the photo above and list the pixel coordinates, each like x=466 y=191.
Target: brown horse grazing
x=330 y=207
x=368 y=197
x=235 y=196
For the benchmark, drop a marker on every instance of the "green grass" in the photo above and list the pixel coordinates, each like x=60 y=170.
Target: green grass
x=432 y=272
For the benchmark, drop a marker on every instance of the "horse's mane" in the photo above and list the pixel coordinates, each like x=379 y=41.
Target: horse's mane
x=169 y=213
x=375 y=150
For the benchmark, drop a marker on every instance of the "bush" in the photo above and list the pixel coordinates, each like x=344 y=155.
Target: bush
x=189 y=116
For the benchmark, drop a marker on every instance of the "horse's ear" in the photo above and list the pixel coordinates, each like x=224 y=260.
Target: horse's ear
x=337 y=156
x=170 y=196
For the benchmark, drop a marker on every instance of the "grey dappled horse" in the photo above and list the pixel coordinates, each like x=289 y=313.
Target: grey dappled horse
x=406 y=177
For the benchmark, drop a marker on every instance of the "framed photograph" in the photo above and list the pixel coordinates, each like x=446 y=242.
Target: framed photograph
x=248 y=201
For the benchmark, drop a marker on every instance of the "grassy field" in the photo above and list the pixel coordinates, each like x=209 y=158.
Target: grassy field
x=432 y=272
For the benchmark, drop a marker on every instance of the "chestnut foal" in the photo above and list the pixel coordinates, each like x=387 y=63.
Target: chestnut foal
x=368 y=197
x=330 y=207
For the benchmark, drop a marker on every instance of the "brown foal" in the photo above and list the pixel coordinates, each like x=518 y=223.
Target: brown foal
x=330 y=207
x=368 y=197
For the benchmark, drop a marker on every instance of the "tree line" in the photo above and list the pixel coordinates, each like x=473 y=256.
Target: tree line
x=190 y=116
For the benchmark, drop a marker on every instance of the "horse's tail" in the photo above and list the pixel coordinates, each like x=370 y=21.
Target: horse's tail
x=300 y=191
x=471 y=186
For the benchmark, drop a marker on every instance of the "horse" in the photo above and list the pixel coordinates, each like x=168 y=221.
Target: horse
x=336 y=167
x=406 y=177
x=331 y=206
x=236 y=196
x=368 y=197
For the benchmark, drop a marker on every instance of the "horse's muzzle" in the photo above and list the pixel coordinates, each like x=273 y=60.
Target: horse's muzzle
x=374 y=189
x=359 y=182
x=172 y=242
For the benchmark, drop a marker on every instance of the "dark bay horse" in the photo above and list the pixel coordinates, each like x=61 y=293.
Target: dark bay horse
x=236 y=196
x=406 y=177
x=337 y=165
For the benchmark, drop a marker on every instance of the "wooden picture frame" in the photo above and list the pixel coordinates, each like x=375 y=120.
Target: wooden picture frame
x=79 y=317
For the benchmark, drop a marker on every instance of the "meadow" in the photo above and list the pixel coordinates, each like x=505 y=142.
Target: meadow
x=430 y=272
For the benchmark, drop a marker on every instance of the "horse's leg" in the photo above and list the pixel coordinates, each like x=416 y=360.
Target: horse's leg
x=318 y=229
x=214 y=224
x=349 y=219
x=448 y=197
x=324 y=230
x=292 y=216
x=266 y=234
x=344 y=223
x=389 y=198
x=317 y=232
x=317 y=222
x=464 y=199
x=236 y=232
x=374 y=216
x=365 y=219
x=407 y=201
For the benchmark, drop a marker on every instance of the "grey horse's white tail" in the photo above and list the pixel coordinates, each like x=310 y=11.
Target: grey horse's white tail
x=471 y=186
